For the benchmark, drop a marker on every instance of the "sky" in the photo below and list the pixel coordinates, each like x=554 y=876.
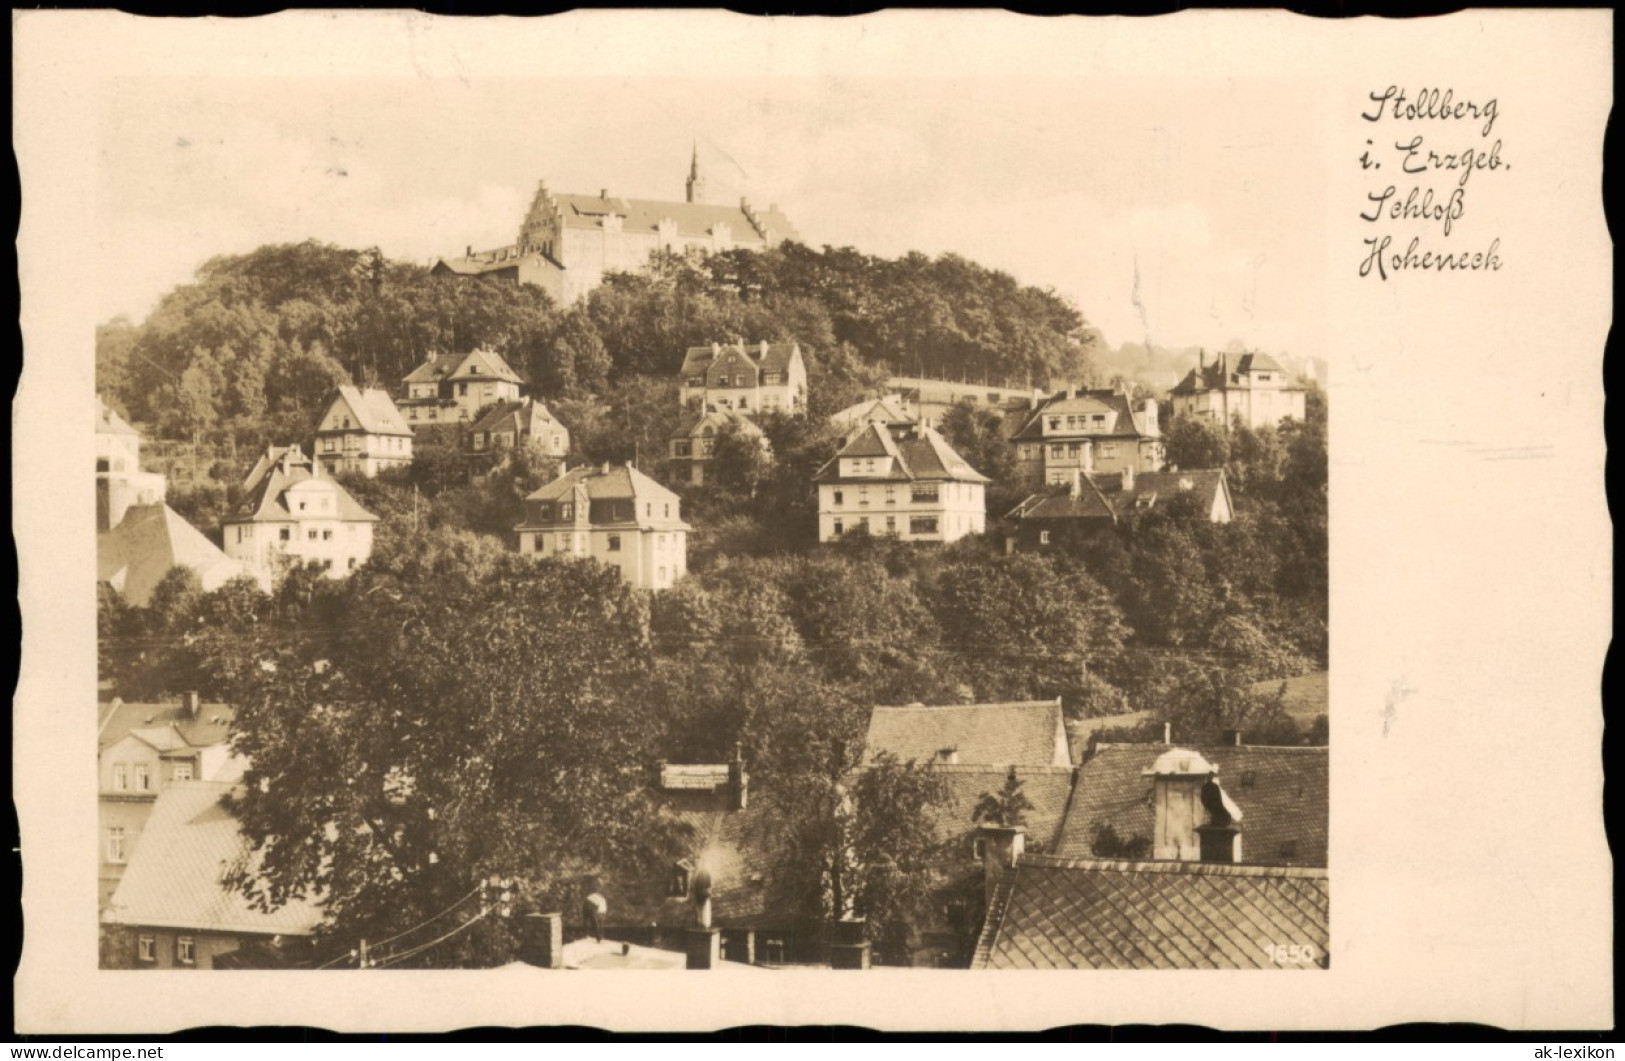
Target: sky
x=1186 y=212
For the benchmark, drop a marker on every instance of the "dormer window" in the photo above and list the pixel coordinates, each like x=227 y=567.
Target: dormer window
x=682 y=873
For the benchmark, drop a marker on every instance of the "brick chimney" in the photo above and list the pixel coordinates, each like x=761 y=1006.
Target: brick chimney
x=542 y=940
x=189 y=704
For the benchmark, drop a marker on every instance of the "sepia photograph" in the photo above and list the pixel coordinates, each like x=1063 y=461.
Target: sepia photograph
x=780 y=537
x=771 y=521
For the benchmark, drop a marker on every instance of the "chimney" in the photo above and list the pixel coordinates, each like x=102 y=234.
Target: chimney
x=1077 y=482
x=469 y=253
x=1177 y=781
x=603 y=193
x=1001 y=848
x=1219 y=837
x=189 y=704
x=1201 y=359
x=1232 y=737
x=542 y=941
x=738 y=780
x=716 y=349
x=764 y=348
x=1167 y=733
x=948 y=756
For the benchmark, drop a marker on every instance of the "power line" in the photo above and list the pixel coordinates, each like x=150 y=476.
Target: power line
x=424 y=924
x=398 y=958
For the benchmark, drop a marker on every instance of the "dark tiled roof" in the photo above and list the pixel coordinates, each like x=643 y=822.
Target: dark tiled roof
x=1079 y=730
x=117 y=720
x=615 y=482
x=776 y=358
x=1047 y=788
x=1062 y=503
x=437 y=368
x=484 y=363
x=1058 y=913
x=174 y=877
x=1026 y=733
x=922 y=454
x=1102 y=496
x=1126 y=425
x=1281 y=792
x=695 y=426
x=524 y=417
x=265 y=500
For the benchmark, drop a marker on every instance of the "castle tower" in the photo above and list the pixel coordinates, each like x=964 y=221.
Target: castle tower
x=696 y=183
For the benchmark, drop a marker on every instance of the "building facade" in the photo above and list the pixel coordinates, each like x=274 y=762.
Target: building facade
x=120 y=482
x=1253 y=388
x=695 y=442
x=905 y=482
x=567 y=242
x=758 y=377
x=453 y=388
x=1088 y=431
x=362 y=432
x=292 y=513
x=143 y=749
x=516 y=423
x=1088 y=504
x=613 y=514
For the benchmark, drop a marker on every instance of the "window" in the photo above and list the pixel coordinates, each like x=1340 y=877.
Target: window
x=978 y=848
x=838 y=497
x=146 y=949
x=301 y=506
x=327 y=445
x=185 y=950
x=121 y=778
x=681 y=449
x=352 y=563
x=773 y=379
x=1263 y=377
x=285 y=534
x=836 y=530
x=926 y=492
x=563 y=543
x=614 y=543
x=1057 y=452
x=922 y=525
x=182 y=771
x=327 y=535
x=327 y=565
x=891 y=524
x=1055 y=423
x=1108 y=449
x=1043 y=537
x=311 y=535
x=891 y=495
x=660 y=576
x=668 y=510
x=115 y=844
x=567 y=511
x=143 y=780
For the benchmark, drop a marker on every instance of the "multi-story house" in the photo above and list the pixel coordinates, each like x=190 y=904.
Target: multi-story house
x=363 y=432
x=905 y=481
x=120 y=482
x=1089 y=431
x=453 y=388
x=175 y=906
x=752 y=378
x=515 y=423
x=694 y=444
x=291 y=512
x=1255 y=390
x=613 y=514
x=567 y=242
x=142 y=750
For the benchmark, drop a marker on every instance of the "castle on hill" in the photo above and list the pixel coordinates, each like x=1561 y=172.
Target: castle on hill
x=568 y=241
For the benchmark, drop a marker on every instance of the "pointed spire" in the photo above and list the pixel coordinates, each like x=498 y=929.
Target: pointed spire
x=696 y=183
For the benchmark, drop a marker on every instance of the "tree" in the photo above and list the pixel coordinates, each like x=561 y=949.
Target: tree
x=1196 y=442
x=451 y=727
x=1006 y=808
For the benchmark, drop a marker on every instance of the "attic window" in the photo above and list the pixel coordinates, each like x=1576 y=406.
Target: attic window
x=1249 y=778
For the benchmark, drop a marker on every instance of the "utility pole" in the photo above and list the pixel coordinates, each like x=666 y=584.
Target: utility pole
x=362 y=964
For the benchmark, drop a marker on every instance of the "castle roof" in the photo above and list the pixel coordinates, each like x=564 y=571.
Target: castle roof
x=693 y=220
x=1220 y=374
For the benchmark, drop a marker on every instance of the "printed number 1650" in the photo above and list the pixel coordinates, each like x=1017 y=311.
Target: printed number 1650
x=1290 y=953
